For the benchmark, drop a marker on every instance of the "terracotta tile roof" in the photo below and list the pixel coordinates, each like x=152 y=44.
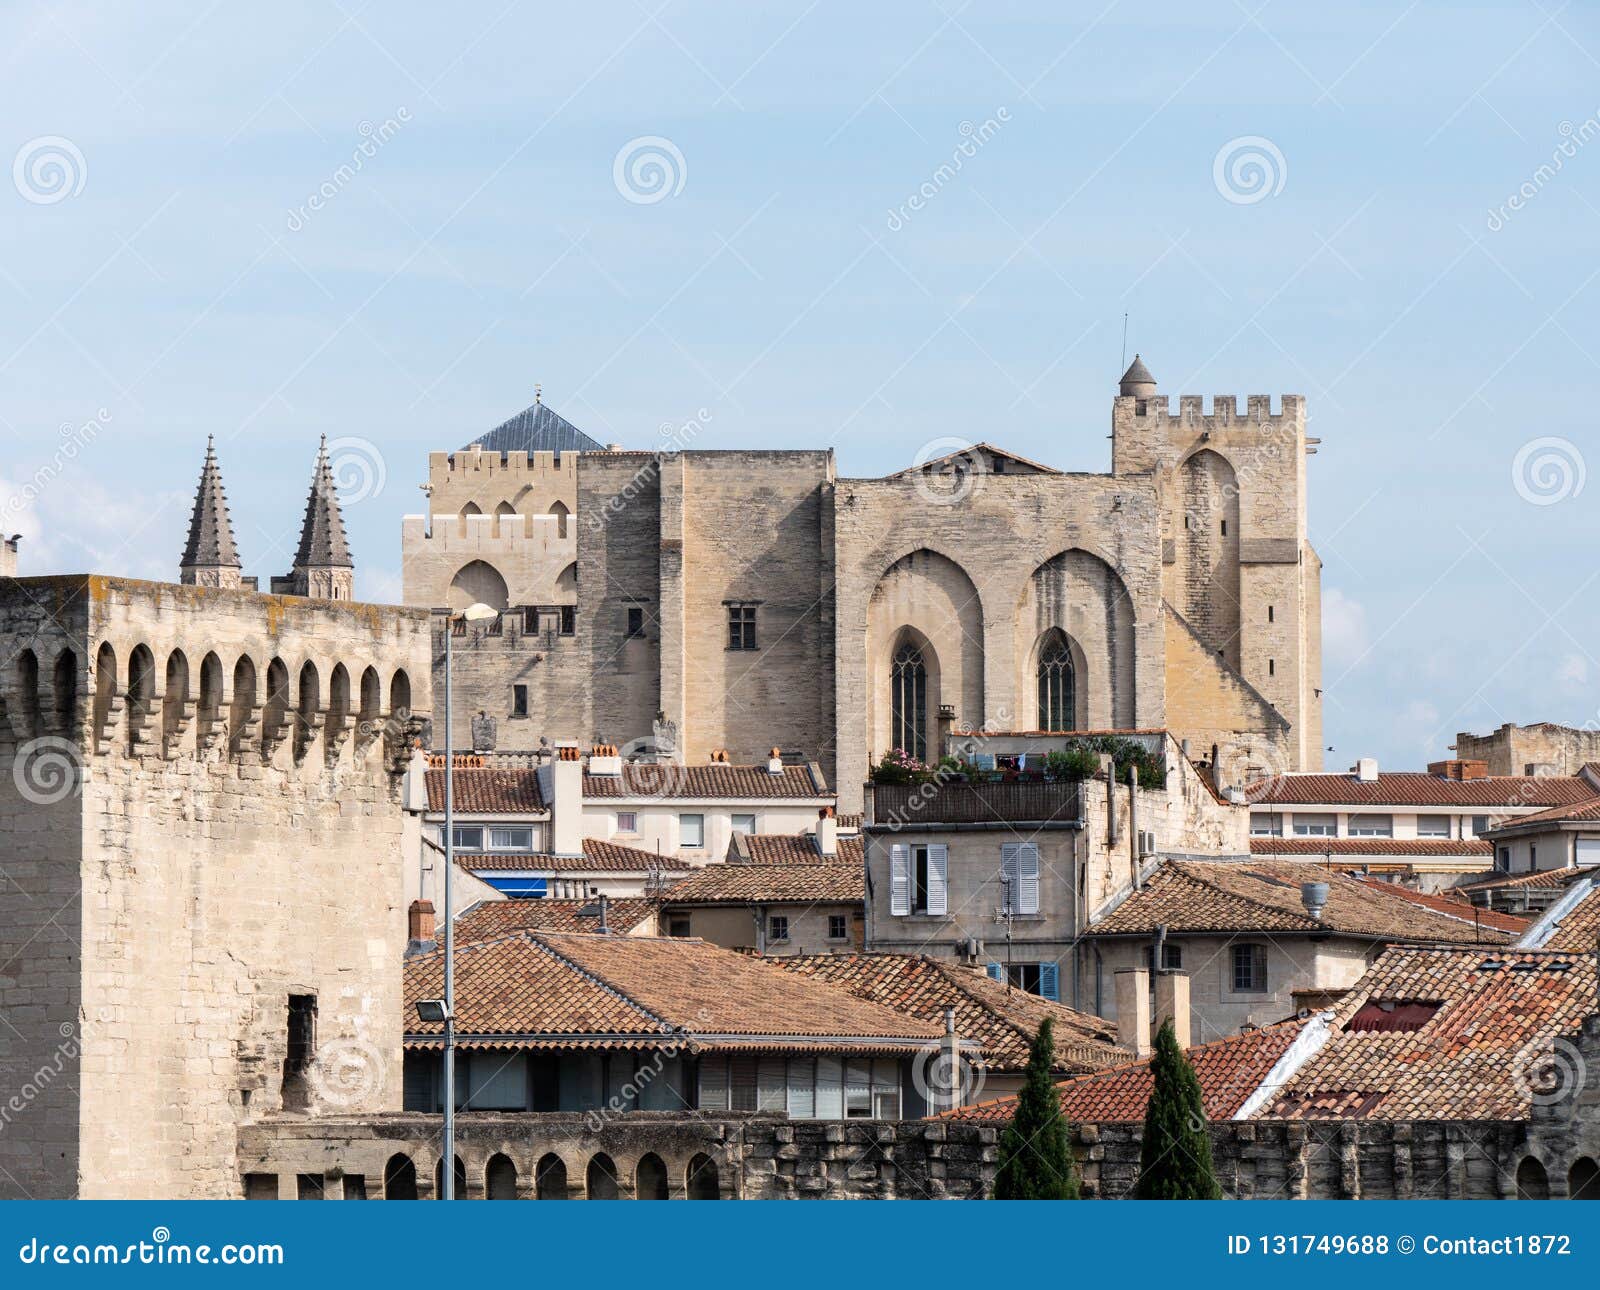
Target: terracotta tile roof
x=1538 y=878
x=1575 y=930
x=1473 y=1046
x=717 y=780
x=599 y=856
x=794 y=848
x=1577 y=813
x=1418 y=788
x=547 y=989
x=485 y=791
x=492 y=919
x=1451 y=848
x=1003 y=1021
x=1197 y=896
x=745 y=884
x=1229 y=1071
x=1459 y=907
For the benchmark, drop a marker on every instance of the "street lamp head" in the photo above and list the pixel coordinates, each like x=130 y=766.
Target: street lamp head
x=432 y=1011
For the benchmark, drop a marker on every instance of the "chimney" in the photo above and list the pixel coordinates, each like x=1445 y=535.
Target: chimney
x=1133 y=1011
x=952 y=1060
x=561 y=787
x=827 y=832
x=8 y=555
x=416 y=781
x=1367 y=770
x=420 y=930
x=775 y=762
x=1172 y=1003
x=605 y=927
x=1314 y=896
x=604 y=759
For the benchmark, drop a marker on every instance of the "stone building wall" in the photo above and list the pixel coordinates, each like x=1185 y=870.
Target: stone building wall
x=1539 y=749
x=199 y=802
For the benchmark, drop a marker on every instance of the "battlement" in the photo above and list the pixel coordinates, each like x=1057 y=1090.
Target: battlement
x=1224 y=414
x=113 y=667
x=502 y=534
x=443 y=467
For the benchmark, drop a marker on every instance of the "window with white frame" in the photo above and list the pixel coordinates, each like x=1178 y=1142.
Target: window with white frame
x=691 y=831
x=1019 y=877
x=825 y=1088
x=1372 y=826
x=510 y=838
x=1266 y=824
x=1433 y=826
x=627 y=821
x=744 y=823
x=469 y=837
x=917 y=879
x=1249 y=969
x=1311 y=825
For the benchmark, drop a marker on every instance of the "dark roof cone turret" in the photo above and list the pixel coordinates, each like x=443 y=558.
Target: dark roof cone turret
x=322 y=564
x=1136 y=381
x=210 y=558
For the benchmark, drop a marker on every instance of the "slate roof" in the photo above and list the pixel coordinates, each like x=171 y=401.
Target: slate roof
x=492 y=919
x=1574 y=930
x=713 y=780
x=558 y=990
x=210 y=543
x=482 y=791
x=794 y=848
x=1258 y=896
x=1137 y=373
x=1003 y=1021
x=537 y=429
x=1418 y=788
x=1417 y=848
x=768 y=884
x=599 y=856
x=322 y=539
x=1229 y=1071
x=1476 y=1048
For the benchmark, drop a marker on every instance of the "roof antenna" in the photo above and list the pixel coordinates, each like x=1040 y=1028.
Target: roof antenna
x=1124 y=363
x=538 y=390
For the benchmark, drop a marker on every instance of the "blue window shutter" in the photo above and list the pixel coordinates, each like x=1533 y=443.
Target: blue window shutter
x=997 y=971
x=1049 y=981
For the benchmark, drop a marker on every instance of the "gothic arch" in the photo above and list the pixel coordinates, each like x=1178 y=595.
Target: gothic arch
x=470 y=509
x=567 y=585
x=64 y=683
x=561 y=514
x=400 y=1178
x=926 y=600
x=1056 y=666
x=27 y=691
x=701 y=1181
x=1533 y=1183
x=500 y=1178
x=601 y=1180
x=174 y=696
x=1206 y=537
x=478 y=582
x=503 y=512
x=1077 y=597
x=650 y=1178
x=550 y=1178
x=105 y=687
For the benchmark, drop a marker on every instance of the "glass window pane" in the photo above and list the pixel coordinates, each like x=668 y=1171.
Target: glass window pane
x=802 y=1088
x=830 y=1089
x=691 y=830
x=857 y=1089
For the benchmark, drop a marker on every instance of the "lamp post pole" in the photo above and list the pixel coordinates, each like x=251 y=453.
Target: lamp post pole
x=447 y=1171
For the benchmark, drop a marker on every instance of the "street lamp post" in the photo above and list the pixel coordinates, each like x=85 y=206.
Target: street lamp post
x=474 y=613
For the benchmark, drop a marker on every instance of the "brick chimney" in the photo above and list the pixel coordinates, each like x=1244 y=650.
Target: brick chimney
x=420 y=929
x=1133 y=1011
x=775 y=762
x=827 y=832
x=1172 y=1001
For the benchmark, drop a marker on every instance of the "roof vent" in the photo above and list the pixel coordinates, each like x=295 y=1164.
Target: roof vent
x=1367 y=770
x=1314 y=896
x=775 y=762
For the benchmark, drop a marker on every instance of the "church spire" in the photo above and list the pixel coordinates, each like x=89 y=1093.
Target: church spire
x=322 y=564
x=210 y=558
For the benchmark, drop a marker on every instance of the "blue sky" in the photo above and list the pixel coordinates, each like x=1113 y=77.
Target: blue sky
x=169 y=279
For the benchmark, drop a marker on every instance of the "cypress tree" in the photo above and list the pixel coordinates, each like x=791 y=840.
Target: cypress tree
x=1175 y=1163
x=1035 y=1155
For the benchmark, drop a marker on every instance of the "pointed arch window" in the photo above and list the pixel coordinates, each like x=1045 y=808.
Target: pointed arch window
x=908 y=685
x=1057 y=685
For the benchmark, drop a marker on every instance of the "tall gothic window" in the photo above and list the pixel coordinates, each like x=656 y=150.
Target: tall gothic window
x=908 y=686
x=1057 y=685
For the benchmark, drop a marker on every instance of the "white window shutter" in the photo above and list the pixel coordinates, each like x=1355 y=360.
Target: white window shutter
x=1008 y=876
x=938 y=862
x=899 y=879
x=1027 y=877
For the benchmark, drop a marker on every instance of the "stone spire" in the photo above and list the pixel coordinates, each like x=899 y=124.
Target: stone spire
x=322 y=564
x=1137 y=381
x=210 y=558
